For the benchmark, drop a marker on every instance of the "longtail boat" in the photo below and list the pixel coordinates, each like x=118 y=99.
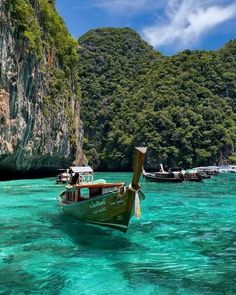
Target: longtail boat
x=106 y=204
x=63 y=176
x=75 y=174
x=192 y=175
x=163 y=176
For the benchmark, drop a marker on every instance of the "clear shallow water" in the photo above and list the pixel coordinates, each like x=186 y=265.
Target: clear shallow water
x=185 y=242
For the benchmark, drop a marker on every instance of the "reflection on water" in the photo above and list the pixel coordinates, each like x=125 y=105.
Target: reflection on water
x=185 y=242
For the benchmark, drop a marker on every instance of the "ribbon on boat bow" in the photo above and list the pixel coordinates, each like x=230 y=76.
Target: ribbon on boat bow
x=137 y=209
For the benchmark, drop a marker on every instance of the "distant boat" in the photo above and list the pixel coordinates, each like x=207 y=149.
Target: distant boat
x=163 y=176
x=193 y=175
x=106 y=204
x=75 y=175
x=189 y=174
x=232 y=169
x=63 y=176
x=210 y=171
x=81 y=174
x=226 y=169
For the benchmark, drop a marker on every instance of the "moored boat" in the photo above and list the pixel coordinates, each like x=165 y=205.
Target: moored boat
x=81 y=174
x=75 y=174
x=204 y=171
x=106 y=204
x=63 y=176
x=192 y=175
x=232 y=170
x=163 y=176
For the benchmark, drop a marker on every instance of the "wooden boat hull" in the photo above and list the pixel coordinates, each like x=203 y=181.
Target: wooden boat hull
x=192 y=176
x=162 y=179
x=109 y=210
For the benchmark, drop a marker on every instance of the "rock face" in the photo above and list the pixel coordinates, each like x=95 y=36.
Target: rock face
x=40 y=128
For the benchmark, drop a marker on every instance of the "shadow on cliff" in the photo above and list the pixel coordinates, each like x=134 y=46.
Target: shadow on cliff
x=6 y=174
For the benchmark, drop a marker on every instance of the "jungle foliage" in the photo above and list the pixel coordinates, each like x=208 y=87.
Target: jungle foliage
x=38 y=27
x=46 y=44
x=181 y=107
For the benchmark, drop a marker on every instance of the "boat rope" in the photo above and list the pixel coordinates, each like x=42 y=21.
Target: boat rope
x=137 y=209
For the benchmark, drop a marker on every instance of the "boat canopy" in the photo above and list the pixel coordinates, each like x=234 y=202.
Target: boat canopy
x=81 y=169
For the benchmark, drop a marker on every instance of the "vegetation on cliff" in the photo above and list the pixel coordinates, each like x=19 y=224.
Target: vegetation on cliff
x=181 y=107
x=41 y=30
x=40 y=76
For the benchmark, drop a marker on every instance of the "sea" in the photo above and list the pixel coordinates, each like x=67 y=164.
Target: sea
x=184 y=243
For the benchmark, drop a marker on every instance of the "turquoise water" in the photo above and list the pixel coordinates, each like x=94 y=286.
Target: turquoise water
x=185 y=242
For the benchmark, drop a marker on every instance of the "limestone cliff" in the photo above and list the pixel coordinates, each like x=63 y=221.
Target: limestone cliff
x=40 y=128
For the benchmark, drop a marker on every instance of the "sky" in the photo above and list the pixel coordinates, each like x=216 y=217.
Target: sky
x=170 y=26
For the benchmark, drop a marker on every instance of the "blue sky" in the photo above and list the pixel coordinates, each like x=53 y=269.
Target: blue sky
x=169 y=26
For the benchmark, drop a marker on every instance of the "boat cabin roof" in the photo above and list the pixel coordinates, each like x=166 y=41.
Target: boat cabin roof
x=81 y=169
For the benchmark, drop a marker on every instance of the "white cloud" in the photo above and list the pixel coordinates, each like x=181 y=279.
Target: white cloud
x=187 y=20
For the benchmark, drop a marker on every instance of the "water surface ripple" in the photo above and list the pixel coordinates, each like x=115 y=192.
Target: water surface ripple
x=185 y=242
